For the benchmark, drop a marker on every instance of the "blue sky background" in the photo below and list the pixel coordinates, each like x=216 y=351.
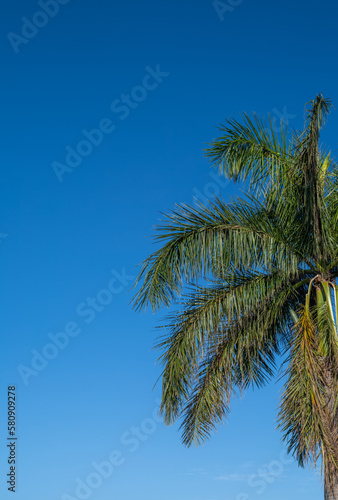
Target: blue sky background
x=62 y=242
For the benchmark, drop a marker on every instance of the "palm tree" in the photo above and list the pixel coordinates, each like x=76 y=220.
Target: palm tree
x=256 y=283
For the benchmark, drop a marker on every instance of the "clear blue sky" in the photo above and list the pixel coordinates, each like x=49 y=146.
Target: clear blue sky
x=157 y=78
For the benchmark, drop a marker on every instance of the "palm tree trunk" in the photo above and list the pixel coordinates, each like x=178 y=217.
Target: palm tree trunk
x=331 y=492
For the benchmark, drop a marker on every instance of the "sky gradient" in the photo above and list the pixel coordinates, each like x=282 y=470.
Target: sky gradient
x=106 y=110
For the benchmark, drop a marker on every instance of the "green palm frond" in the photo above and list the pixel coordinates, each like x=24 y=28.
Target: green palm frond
x=243 y=355
x=251 y=149
x=206 y=240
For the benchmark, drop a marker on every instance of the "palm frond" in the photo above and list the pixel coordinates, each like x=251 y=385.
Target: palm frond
x=209 y=240
x=251 y=149
x=239 y=319
x=305 y=417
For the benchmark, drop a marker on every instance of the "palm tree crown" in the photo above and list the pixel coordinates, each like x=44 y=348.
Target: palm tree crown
x=261 y=272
